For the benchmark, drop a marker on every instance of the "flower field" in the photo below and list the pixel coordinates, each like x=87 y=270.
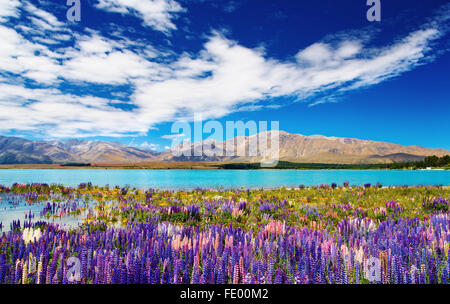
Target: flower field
x=327 y=234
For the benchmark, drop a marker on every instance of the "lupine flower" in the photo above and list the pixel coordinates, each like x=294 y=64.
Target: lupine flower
x=332 y=243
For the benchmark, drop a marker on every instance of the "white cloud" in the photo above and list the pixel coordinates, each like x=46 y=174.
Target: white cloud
x=314 y=54
x=148 y=146
x=95 y=45
x=20 y=56
x=157 y=14
x=52 y=23
x=223 y=77
x=348 y=49
x=172 y=136
x=238 y=75
x=113 y=68
x=9 y=8
x=49 y=112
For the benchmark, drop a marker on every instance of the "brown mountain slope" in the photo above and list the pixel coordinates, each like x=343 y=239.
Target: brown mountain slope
x=316 y=149
x=292 y=147
x=102 y=151
x=15 y=150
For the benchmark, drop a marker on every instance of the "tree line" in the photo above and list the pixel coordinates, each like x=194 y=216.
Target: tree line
x=430 y=161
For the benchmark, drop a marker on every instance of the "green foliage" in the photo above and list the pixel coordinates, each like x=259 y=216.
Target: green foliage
x=431 y=161
x=304 y=166
x=75 y=165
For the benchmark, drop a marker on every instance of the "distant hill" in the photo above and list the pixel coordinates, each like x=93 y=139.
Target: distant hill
x=317 y=149
x=14 y=150
x=292 y=148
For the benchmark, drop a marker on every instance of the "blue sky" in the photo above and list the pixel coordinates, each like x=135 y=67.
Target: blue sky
x=130 y=68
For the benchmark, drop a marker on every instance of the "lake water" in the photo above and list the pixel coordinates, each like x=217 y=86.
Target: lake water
x=188 y=179
x=14 y=208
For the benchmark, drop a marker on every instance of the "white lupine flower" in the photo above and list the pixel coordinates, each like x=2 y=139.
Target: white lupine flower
x=31 y=235
x=372 y=226
x=359 y=255
x=169 y=229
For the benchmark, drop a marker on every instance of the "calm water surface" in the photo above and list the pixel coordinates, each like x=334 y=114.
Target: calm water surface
x=189 y=179
x=14 y=208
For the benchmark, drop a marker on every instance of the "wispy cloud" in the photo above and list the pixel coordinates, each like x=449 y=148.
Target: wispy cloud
x=157 y=14
x=172 y=136
x=148 y=146
x=9 y=8
x=231 y=6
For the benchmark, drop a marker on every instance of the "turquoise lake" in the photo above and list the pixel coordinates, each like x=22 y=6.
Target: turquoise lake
x=189 y=179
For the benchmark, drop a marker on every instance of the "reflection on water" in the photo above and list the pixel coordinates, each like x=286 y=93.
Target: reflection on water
x=15 y=207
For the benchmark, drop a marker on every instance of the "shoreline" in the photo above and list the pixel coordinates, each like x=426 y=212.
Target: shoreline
x=188 y=166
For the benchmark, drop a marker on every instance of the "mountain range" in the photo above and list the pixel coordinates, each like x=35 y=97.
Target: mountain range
x=15 y=150
x=292 y=147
